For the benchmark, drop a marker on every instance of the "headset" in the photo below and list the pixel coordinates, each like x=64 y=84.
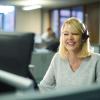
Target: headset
x=85 y=35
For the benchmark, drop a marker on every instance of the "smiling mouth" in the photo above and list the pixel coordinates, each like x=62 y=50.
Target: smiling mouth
x=71 y=43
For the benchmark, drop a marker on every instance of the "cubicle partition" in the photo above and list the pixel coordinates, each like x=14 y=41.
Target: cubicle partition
x=41 y=61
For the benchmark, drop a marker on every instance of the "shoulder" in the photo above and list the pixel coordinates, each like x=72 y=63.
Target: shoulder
x=95 y=56
x=96 y=60
x=56 y=57
x=57 y=62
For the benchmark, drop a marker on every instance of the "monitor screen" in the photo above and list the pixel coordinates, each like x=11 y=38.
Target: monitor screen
x=15 y=52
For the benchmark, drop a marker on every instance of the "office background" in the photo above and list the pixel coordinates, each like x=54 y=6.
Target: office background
x=39 y=20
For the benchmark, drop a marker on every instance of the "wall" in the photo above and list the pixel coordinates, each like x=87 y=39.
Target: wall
x=92 y=19
x=32 y=21
x=28 y=21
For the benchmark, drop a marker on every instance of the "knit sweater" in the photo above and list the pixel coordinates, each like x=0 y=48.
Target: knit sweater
x=60 y=74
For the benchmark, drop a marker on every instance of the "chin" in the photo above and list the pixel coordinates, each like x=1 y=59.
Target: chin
x=72 y=49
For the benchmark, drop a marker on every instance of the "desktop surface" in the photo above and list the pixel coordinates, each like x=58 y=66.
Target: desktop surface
x=86 y=93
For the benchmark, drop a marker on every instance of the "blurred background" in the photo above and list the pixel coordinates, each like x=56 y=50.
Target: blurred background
x=41 y=14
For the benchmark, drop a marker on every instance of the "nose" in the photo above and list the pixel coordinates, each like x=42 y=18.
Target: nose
x=70 y=36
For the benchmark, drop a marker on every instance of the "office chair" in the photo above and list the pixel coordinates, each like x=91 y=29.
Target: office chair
x=15 y=55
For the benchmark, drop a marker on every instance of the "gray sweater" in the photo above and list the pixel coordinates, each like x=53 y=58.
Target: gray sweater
x=60 y=74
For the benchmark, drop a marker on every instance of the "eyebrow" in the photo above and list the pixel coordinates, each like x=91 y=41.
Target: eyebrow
x=70 y=32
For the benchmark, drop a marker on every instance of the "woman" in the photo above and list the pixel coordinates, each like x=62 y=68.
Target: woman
x=74 y=64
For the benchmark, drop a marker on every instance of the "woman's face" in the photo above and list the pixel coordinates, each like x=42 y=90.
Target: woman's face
x=72 y=39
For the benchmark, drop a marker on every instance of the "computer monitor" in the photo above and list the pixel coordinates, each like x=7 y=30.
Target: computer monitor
x=15 y=53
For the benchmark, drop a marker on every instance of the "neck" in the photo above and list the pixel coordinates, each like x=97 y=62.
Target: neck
x=74 y=61
x=73 y=57
x=72 y=54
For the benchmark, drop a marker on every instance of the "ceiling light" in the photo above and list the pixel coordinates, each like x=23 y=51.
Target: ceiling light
x=32 y=7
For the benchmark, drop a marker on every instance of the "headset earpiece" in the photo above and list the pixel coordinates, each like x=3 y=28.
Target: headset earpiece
x=85 y=35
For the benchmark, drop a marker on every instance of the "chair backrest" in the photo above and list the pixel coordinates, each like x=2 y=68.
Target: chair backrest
x=15 y=52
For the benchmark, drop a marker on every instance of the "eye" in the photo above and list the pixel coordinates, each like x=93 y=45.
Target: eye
x=66 y=33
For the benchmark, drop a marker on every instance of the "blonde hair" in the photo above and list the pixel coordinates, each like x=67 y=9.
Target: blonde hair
x=79 y=27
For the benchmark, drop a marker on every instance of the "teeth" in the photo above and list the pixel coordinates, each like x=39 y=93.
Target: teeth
x=70 y=43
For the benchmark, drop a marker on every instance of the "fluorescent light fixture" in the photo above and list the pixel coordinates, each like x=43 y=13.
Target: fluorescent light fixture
x=32 y=7
x=30 y=2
